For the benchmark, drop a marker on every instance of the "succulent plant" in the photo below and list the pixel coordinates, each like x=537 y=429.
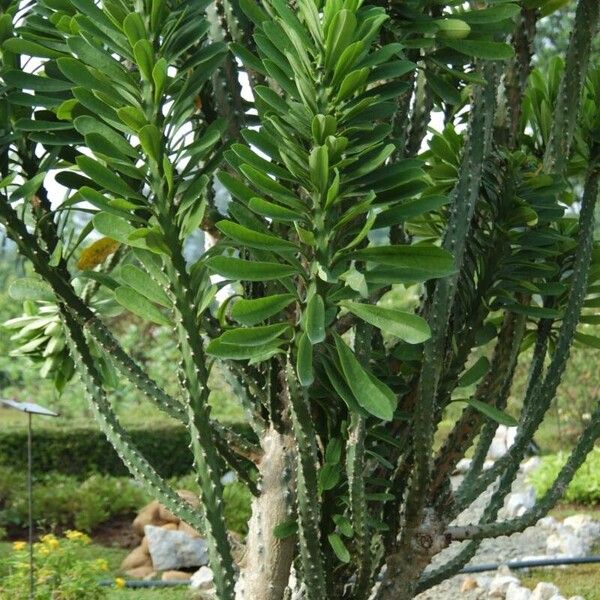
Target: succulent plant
x=365 y=274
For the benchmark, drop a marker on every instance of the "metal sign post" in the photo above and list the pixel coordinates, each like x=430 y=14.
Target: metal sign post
x=31 y=409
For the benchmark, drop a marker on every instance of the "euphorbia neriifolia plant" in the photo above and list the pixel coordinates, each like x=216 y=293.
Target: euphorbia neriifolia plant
x=402 y=210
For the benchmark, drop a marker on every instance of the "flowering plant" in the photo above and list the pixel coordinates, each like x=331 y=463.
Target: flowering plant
x=60 y=571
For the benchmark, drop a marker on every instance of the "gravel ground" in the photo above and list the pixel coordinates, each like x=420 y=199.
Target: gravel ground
x=531 y=542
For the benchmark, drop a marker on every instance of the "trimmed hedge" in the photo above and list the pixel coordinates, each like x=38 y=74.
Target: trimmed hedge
x=84 y=451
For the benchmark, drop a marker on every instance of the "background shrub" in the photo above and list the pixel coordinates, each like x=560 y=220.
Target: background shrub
x=585 y=486
x=82 y=452
x=62 y=501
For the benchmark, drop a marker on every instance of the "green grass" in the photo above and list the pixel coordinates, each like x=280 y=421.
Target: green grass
x=580 y=580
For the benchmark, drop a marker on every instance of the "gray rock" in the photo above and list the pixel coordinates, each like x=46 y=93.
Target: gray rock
x=202 y=579
x=500 y=585
x=544 y=591
x=530 y=465
x=463 y=465
x=171 y=549
x=517 y=592
x=565 y=543
x=519 y=503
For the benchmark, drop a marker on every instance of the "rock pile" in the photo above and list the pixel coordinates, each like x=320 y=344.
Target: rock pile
x=167 y=544
x=506 y=586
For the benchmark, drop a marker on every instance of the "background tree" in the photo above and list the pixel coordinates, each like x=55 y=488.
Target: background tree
x=327 y=197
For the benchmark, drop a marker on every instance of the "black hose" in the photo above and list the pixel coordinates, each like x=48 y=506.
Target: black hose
x=534 y=562
x=143 y=583
x=513 y=564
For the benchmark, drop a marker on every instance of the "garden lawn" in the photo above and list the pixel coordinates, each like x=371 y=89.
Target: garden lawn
x=580 y=580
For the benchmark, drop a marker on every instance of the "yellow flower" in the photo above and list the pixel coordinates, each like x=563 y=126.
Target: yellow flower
x=44 y=550
x=102 y=564
x=49 y=540
x=120 y=583
x=19 y=545
x=77 y=536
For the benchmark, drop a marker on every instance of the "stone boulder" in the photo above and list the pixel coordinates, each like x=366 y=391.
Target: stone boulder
x=147 y=516
x=174 y=549
x=503 y=440
x=501 y=582
x=202 y=579
x=175 y=576
x=544 y=591
x=516 y=591
x=143 y=572
x=518 y=503
x=138 y=557
x=167 y=516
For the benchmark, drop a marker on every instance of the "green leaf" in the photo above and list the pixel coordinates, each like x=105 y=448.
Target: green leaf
x=251 y=312
x=29 y=188
x=285 y=529
x=274 y=211
x=37 y=83
x=87 y=125
x=56 y=255
x=144 y=58
x=319 y=167
x=493 y=14
x=491 y=412
x=238 y=352
x=247 y=270
x=132 y=117
x=141 y=282
x=333 y=452
x=150 y=140
x=485 y=50
x=117 y=229
x=589 y=340
x=417 y=263
x=304 y=361
x=314 y=319
x=475 y=373
x=159 y=77
x=254 y=239
x=346 y=61
x=140 y=305
x=352 y=83
x=340 y=550
x=340 y=34
x=341 y=388
x=370 y=393
x=28 y=288
x=329 y=476
x=344 y=525
x=407 y=326
x=408 y=210
x=253 y=336
x=105 y=177
x=22 y=46
x=134 y=29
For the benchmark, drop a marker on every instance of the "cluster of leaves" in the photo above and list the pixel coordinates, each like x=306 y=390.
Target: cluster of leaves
x=62 y=501
x=584 y=487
